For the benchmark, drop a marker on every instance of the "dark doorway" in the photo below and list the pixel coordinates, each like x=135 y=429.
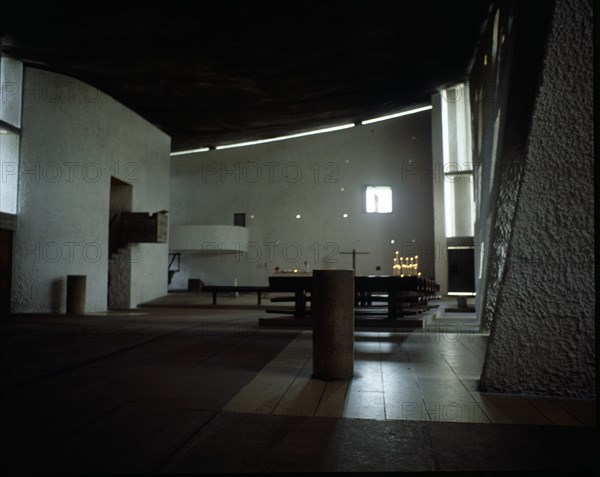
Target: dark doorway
x=461 y=270
x=6 y=241
x=461 y=276
x=121 y=198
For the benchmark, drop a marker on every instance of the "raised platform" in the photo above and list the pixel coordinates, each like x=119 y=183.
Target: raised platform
x=359 y=323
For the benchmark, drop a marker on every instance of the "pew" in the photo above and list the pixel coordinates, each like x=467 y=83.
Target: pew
x=396 y=292
x=259 y=290
x=300 y=286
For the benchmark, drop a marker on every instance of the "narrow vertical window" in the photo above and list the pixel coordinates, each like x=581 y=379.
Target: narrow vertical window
x=11 y=82
x=459 y=200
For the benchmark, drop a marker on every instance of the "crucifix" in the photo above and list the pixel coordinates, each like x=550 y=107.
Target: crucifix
x=354 y=254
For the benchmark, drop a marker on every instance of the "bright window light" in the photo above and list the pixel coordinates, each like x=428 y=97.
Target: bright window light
x=378 y=199
x=397 y=115
x=459 y=203
x=11 y=85
x=9 y=172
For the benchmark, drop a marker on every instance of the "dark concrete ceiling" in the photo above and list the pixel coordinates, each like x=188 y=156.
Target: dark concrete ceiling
x=211 y=73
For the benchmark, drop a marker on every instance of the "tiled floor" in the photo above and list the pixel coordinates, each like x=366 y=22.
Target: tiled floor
x=417 y=376
x=197 y=390
x=429 y=374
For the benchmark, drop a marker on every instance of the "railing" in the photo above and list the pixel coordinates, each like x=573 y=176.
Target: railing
x=172 y=258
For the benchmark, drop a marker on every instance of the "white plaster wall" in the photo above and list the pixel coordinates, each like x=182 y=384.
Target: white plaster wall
x=542 y=337
x=74 y=138
x=208 y=238
x=320 y=177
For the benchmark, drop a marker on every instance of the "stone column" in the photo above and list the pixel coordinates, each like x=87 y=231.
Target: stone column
x=76 y=287
x=332 y=303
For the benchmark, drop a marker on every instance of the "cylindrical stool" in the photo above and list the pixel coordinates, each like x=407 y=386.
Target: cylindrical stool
x=332 y=303
x=76 y=285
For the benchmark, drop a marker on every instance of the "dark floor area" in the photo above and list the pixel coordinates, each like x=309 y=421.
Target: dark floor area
x=144 y=391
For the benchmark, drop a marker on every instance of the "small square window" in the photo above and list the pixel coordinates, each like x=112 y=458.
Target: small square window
x=378 y=200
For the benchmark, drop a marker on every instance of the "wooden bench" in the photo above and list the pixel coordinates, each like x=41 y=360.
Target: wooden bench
x=403 y=295
x=234 y=288
x=299 y=285
x=393 y=291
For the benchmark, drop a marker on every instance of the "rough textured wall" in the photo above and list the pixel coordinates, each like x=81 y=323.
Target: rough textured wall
x=542 y=338
x=74 y=139
x=320 y=178
x=504 y=91
x=500 y=235
x=119 y=278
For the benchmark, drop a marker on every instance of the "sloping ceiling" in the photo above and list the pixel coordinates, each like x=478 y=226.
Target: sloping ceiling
x=212 y=73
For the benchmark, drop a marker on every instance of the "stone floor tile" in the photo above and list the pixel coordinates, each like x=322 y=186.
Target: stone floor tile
x=134 y=439
x=484 y=447
x=364 y=405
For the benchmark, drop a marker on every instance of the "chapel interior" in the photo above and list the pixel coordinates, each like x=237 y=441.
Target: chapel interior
x=298 y=237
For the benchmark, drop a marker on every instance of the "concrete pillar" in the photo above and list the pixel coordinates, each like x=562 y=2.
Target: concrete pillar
x=76 y=287
x=332 y=303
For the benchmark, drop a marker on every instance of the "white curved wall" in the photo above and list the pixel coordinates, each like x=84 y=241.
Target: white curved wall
x=208 y=238
x=74 y=139
x=319 y=178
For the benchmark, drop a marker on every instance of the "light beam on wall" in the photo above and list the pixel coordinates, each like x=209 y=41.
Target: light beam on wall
x=190 y=151
x=397 y=115
x=291 y=136
x=307 y=133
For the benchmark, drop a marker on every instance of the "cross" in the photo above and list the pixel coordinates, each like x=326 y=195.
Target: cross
x=354 y=254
